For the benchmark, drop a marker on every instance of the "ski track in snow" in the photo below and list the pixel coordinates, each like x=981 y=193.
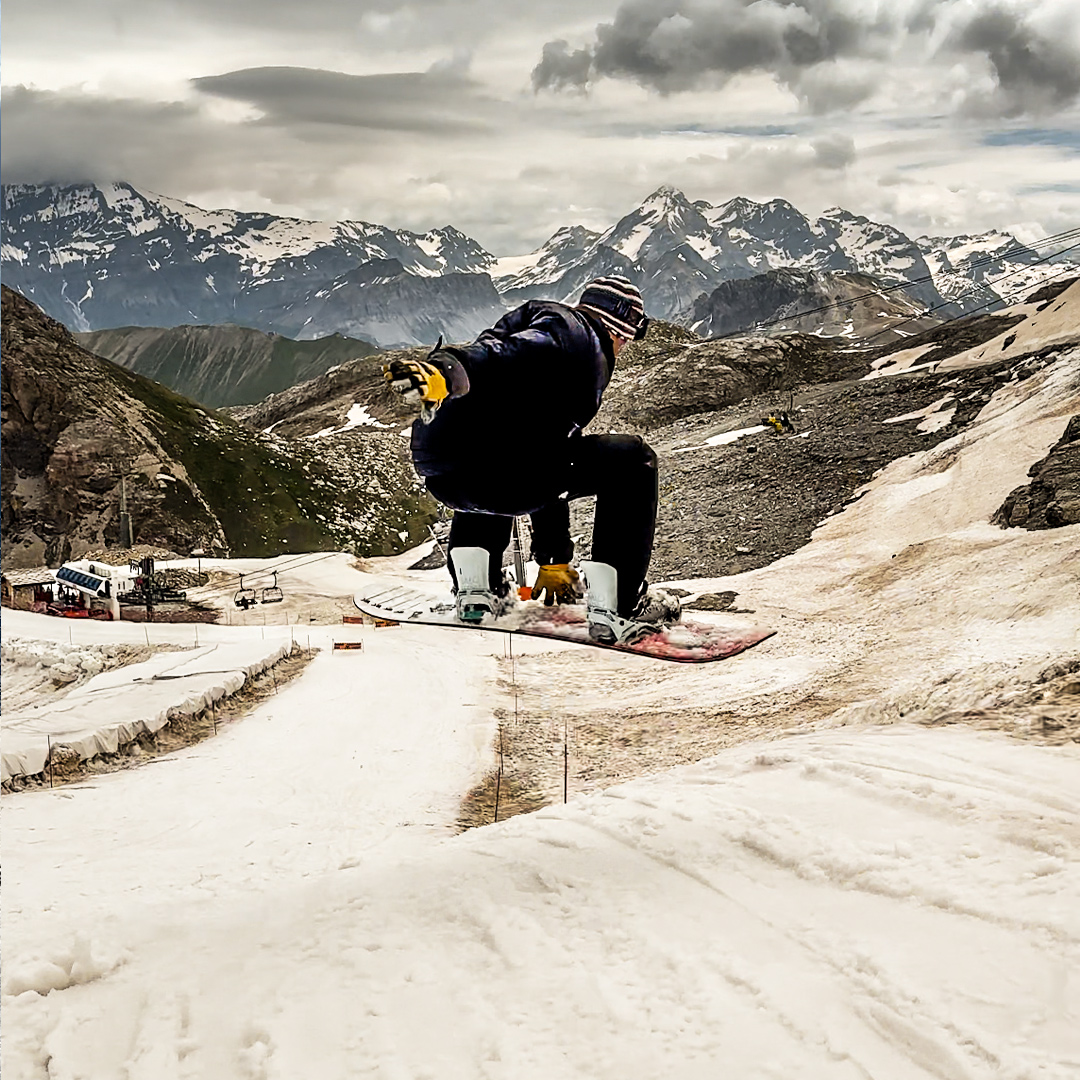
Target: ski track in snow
x=716 y=916
x=874 y=898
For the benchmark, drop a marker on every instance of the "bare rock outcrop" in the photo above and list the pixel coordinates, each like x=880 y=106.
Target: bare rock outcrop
x=75 y=426
x=1052 y=499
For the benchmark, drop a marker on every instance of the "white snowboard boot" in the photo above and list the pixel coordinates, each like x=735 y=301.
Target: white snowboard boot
x=655 y=609
x=475 y=599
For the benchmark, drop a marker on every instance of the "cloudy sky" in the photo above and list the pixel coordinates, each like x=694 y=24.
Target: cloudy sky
x=509 y=119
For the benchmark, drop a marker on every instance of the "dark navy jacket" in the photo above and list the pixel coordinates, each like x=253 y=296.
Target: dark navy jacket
x=535 y=380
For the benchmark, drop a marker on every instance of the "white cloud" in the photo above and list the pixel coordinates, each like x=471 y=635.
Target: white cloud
x=423 y=115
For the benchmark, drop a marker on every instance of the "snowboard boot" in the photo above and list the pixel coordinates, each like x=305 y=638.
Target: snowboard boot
x=474 y=598
x=655 y=608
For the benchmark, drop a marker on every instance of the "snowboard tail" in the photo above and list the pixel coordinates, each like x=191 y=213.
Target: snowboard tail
x=686 y=642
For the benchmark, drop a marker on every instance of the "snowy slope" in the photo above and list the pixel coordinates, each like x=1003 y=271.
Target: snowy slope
x=115 y=707
x=716 y=919
x=889 y=893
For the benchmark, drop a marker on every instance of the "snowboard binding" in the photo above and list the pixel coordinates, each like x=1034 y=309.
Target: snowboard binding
x=655 y=609
x=474 y=599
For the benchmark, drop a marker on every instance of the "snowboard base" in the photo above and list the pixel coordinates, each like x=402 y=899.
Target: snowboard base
x=686 y=642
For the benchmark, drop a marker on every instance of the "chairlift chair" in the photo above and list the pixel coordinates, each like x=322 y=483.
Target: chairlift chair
x=272 y=594
x=244 y=597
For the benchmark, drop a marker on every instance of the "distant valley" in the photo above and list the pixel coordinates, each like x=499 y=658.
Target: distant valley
x=222 y=365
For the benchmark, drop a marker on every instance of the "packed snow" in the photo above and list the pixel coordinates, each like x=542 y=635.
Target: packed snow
x=509 y=266
x=115 y=707
x=723 y=439
x=357 y=416
x=932 y=417
x=887 y=889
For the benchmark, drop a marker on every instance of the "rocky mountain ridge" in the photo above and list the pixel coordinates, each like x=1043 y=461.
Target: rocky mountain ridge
x=327 y=458
x=97 y=257
x=736 y=491
x=103 y=256
x=677 y=250
x=75 y=427
x=824 y=303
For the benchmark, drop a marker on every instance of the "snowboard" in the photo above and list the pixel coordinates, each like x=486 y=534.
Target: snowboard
x=687 y=642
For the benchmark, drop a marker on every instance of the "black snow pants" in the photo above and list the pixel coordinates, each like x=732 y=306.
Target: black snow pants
x=620 y=470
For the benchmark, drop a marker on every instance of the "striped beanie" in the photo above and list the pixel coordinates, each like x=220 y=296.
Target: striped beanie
x=615 y=302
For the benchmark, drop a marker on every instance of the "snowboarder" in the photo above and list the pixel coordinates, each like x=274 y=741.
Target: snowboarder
x=500 y=435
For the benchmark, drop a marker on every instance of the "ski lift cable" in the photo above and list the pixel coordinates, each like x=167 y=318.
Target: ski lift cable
x=1071 y=234
x=1068 y=235
x=234 y=580
x=973 y=311
x=935 y=307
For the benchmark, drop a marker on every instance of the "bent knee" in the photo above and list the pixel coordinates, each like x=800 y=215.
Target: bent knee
x=631 y=450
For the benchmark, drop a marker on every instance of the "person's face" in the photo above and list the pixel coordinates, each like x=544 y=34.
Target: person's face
x=617 y=343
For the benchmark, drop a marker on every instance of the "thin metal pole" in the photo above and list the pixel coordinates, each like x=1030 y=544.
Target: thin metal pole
x=498 y=777
x=513 y=677
x=566 y=762
x=519 y=554
x=48 y=760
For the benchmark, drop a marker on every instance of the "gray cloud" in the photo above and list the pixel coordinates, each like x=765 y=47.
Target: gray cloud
x=67 y=137
x=470 y=146
x=442 y=101
x=348 y=29
x=1035 y=72
x=170 y=148
x=561 y=69
x=827 y=52
x=834 y=151
x=688 y=43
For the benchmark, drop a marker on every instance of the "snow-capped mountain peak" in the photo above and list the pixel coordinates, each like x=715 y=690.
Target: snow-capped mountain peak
x=665 y=219
x=665 y=203
x=96 y=256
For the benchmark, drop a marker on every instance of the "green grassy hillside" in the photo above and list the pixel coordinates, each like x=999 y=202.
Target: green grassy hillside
x=222 y=365
x=74 y=424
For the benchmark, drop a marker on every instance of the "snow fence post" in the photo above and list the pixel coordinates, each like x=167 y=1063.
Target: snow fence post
x=566 y=761
x=498 y=775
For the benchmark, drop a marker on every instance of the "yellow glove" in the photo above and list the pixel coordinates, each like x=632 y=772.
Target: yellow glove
x=417 y=381
x=557 y=583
